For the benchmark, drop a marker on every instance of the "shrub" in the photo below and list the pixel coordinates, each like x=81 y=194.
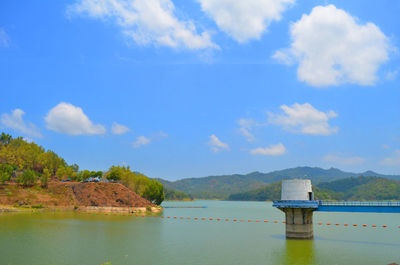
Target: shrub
x=6 y=171
x=27 y=178
x=44 y=179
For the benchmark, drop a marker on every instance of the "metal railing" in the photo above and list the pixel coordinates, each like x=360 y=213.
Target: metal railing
x=360 y=203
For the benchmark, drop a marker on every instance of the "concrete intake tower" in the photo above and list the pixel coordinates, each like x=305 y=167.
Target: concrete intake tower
x=297 y=202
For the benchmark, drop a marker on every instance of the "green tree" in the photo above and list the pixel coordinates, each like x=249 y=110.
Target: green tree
x=44 y=179
x=61 y=172
x=115 y=173
x=5 y=139
x=6 y=171
x=154 y=192
x=27 y=178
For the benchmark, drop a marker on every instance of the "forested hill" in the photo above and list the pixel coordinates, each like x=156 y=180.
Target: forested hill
x=221 y=187
x=31 y=165
x=354 y=188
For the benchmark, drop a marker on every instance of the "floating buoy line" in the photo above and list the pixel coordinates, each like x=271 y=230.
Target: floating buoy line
x=231 y=220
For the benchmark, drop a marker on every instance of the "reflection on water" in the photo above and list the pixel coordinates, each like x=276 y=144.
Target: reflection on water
x=299 y=251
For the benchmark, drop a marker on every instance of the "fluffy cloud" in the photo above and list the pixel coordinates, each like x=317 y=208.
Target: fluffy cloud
x=216 y=144
x=15 y=122
x=4 y=39
x=342 y=160
x=141 y=141
x=69 y=119
x=119 y=128
x=304 y=118
x=332 y=48
x=244 y=20
x=272 y=150
x=393 y=160
x=146 y=22
x=246 y=126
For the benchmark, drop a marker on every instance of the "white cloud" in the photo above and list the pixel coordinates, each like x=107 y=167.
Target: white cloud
x=304 y=118
x=146 y=22
x=332 y=48
x=69 y=119
x=393 y=160
x=119 y=128
x=343 y=160
x=246 y=126
x=216 y=144
x=16 y=122
x=4 y=38
x=244 y=20
x=141 y=141
x=272 y=150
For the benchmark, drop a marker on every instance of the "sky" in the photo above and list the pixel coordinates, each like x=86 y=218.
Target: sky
x=191 y=88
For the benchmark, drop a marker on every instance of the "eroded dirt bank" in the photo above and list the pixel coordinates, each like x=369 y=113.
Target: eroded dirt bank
x=76 y=195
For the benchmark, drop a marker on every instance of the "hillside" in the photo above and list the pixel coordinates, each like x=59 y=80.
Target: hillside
x=32 y=166
x=353 y=188
x=221 y=187
x=72 y=194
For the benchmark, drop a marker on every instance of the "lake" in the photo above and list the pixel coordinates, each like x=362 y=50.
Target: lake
x=72 y=238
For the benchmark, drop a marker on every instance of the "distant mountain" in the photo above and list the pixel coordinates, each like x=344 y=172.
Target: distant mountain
x=221 y=187
x=353 y=188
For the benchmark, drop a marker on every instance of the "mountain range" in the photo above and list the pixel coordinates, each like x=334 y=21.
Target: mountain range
x=221 y=187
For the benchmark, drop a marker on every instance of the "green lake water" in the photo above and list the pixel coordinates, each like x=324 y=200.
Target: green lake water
x=72 y=238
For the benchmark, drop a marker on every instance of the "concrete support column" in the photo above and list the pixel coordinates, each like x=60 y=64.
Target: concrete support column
x=299 y=224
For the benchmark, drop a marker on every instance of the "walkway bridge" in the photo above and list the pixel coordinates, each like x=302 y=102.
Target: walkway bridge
x=342 y=206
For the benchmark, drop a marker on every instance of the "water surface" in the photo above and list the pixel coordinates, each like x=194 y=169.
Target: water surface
x=71 y=238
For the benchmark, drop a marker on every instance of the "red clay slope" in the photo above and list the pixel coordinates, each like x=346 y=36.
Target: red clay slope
x=73 y=194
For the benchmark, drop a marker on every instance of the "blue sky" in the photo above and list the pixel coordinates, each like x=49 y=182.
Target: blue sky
x=205 y=87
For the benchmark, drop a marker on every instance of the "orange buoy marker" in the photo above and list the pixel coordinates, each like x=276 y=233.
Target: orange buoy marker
x=257 y=221
x=227 y=220
x=364 y=225
x=283 y=222
x=211 y=219
x=249 y=221
x=346 y=225
x=319 y=223
x=355 y=225
x=234 y=220
x=181 y=218
x=328 y=223
x=336 y=224
x=218 y=219
x=203 y=218
x=188 y=218
x=195 y=218
x=384 y=226
x=373 y=225
x=265 y=221
x=275 y=222
x=241 y=220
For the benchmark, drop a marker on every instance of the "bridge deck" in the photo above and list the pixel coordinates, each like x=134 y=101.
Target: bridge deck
x=358 y=206
x=343 y=206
